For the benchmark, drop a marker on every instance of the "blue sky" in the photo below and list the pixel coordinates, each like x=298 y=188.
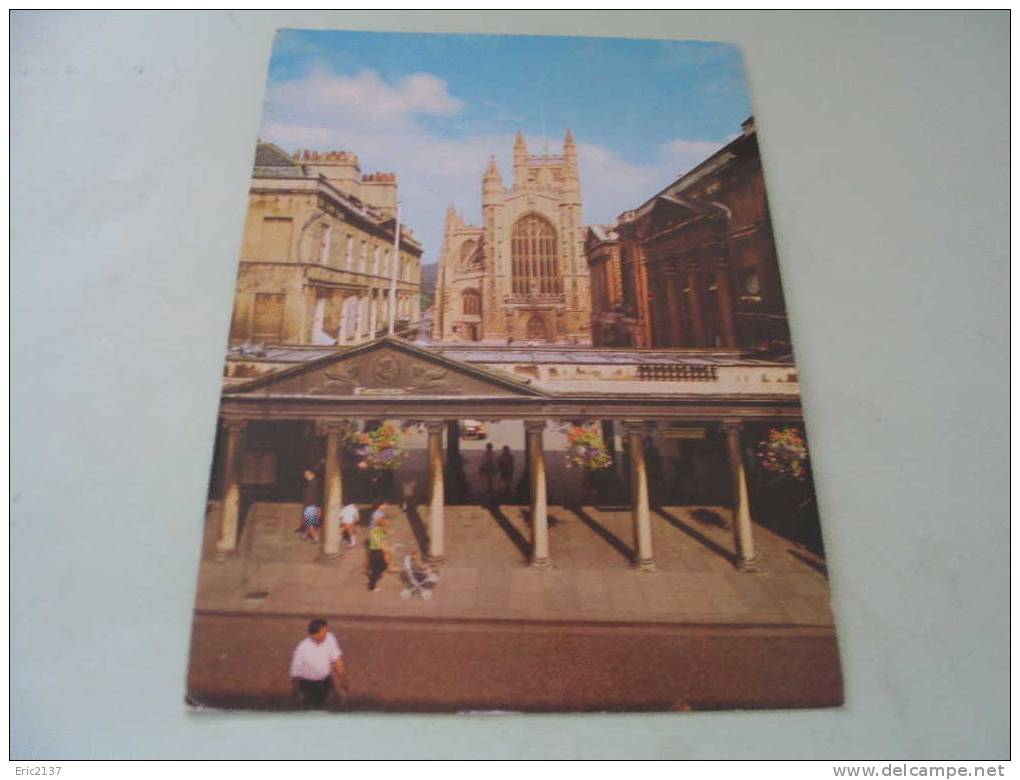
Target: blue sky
x=432 y=108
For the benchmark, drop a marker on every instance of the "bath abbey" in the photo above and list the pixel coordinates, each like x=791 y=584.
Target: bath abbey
x=521 y=275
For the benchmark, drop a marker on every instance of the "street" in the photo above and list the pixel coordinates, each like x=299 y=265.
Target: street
x=448 y=665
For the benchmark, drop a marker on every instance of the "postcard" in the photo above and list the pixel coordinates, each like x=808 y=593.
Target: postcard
x=510 y=417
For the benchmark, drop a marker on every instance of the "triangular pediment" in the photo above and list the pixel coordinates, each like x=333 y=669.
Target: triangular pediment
x=387 y=367
x=669 y=210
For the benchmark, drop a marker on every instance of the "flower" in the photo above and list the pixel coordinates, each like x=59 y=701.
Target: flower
x=784 y=452
x=378 y=449
x=586 y=449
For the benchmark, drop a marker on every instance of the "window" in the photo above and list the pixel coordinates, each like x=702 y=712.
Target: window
x=276 y=235
x=375 y=261
x=363 y=261
x=533 y=257
x=471 y=302
x=349 y=262
x=267 y=320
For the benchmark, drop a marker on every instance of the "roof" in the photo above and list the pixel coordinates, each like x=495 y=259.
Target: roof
x=552 y=354
x=396 y=378
x=603 y=232
x=547 y=354
x=713 y=162
x=271 y=162
x=271 y=154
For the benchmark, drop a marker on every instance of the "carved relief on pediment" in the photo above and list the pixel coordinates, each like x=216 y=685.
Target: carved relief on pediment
x=390 y=371
x=386 y=371
x=340 y=379
x=432 y=380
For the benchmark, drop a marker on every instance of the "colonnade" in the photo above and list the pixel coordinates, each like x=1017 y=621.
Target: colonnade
x=363 y=316
x=635 y=431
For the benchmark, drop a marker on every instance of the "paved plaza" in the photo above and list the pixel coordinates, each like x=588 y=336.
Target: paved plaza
x=486 y=575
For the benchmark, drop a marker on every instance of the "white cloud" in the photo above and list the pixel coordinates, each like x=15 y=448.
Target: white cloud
x=376 y=121
x=366 y=95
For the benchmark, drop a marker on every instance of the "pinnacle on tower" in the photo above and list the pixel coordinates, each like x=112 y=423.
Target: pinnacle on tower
x=452 y=217
x=520 y=150
x=492 y=170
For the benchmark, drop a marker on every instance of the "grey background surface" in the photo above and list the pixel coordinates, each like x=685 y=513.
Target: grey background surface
x=885 y=145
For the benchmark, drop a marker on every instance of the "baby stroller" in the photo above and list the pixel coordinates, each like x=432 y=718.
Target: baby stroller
x=417 y=577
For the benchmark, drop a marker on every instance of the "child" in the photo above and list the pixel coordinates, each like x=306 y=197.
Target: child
x=349 y=516
x=311 y=502
x=313 y=522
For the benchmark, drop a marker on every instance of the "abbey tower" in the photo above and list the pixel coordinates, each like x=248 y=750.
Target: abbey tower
x=522 y=274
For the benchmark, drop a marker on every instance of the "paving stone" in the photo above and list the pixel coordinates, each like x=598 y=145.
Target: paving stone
x=486 y=572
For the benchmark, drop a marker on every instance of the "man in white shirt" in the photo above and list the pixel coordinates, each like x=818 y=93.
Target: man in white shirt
x=317 y=660
x=349 y=517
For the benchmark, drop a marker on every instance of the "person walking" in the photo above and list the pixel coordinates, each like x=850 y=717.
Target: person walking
x=349 y=516
x=317 y=666
x=311 y=498
x=377 y=540
x=488 y=471
x=506 y=469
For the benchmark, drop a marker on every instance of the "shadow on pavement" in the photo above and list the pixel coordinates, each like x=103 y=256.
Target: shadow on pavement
x=611 y=539
x=695 y=534
x=515 y=536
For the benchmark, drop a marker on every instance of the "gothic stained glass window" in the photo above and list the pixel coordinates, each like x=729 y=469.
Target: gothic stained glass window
x=533 y=253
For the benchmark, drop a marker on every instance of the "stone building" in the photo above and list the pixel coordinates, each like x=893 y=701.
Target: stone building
x=613 y=323
x=697 y=261
x=686 y=418
x=318 y=252
x=521 y=274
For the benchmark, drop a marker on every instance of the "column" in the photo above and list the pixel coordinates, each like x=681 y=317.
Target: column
x=435 y=452
x=373 y=314
x=230 y=513
x=694 y=301
x=539 y=509
x=640 y=513
x=722 y=279
x=672 y=331
x=741 y=508
x=333 y=488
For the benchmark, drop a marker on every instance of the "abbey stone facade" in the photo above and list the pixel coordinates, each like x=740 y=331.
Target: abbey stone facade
x=522 y=273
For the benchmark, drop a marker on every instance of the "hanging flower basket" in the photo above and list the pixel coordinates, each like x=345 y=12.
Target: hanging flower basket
x=377 y=450
x=586 y=449
x=784 y=452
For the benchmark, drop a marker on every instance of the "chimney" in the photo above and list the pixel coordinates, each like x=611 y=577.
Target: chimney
x=379 y=191
x=340 y=168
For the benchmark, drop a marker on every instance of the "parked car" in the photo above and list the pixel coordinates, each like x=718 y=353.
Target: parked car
x=473 y=429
